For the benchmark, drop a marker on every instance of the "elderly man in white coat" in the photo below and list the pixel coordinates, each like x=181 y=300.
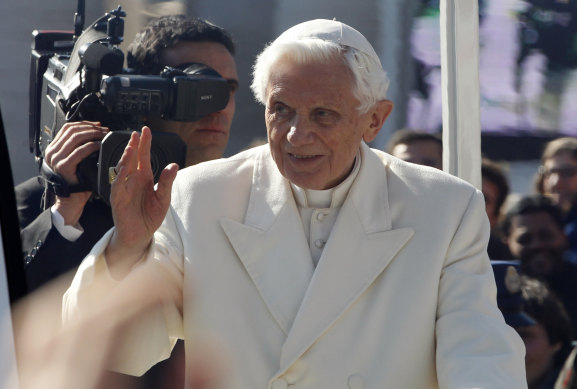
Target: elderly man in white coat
x=314 y=260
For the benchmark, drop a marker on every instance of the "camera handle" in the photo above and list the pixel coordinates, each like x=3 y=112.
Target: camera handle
x=79 y=18
x=58 y=183
x=115 y=26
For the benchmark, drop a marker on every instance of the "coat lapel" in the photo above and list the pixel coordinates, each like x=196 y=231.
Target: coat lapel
x=281 y=268
x=361 y=245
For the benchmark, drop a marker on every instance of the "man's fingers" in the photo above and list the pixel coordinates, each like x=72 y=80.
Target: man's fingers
x=144 y=149
x=121 y=174
x=64 y=162
x=70 y=138
x=136 y=155
x=129 y=158
x=79 y=132
x=165 y=181
x=66 y=165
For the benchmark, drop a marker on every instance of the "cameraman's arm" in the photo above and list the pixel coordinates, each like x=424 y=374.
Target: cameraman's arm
x=29 y=199
x=49 y=253
x=72 y=144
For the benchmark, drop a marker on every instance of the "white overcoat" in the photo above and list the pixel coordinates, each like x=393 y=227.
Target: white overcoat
x=403 y=295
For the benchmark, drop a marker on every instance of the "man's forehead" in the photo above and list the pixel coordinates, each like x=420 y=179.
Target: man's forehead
x=316 y=83
x=563 y=158
x=534 y=219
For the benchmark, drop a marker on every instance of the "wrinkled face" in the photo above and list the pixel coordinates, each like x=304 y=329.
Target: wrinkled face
x=560 y=179
x=538 y=242
x=491 y=194
x=314 y=127
x=422 y=152
x=540 y=352
x=206 y=138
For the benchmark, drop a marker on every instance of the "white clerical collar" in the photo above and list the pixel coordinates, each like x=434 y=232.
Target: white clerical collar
x=327 y=198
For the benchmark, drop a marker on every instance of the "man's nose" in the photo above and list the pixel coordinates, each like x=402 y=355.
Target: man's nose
x=536 y=244
x=229 y=106
x=555 y=182
x=300 y=132
x=540 y=244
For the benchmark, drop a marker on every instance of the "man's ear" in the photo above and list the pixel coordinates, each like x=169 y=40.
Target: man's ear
x=379 y=113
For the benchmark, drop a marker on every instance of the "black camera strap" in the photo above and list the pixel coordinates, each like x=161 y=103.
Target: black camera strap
x=59 y=184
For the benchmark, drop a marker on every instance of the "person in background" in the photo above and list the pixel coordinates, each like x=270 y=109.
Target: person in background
x=557 y=179
x=548 y=342
x=291 y=252
x=542 y=322
x=495 y=188
x=533 y=230
x=418 y=147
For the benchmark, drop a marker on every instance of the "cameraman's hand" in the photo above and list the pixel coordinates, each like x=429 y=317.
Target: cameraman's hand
x=137 y=208
x=73 y=143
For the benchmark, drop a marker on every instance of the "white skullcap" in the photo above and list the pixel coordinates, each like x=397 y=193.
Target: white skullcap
x=332 y=31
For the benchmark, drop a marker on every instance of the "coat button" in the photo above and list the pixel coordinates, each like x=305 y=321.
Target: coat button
x=319 y=243
x=356 y=381
x=279 y=384
x=321 y=216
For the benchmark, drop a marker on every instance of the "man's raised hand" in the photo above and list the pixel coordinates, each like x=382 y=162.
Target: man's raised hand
x=138 y=208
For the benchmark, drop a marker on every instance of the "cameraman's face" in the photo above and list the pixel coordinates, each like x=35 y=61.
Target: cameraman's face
x=206 y=138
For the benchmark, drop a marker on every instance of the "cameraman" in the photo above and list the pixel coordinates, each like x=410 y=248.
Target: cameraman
x=58 y=232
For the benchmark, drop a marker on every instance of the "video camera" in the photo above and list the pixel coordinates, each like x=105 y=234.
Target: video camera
x=79 y=75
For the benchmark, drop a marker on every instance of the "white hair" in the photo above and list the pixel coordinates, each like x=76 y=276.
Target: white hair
x=370 y=80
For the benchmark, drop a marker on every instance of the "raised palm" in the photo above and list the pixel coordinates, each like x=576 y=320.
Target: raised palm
x=138 y=208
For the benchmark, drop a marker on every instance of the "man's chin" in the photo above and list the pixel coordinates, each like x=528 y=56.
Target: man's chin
x=540 y=270
x=542 y=266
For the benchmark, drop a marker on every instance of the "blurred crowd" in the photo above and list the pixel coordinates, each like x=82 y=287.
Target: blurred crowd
x=533 y=248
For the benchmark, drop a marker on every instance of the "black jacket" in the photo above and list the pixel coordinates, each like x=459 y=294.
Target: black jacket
x=46 y=253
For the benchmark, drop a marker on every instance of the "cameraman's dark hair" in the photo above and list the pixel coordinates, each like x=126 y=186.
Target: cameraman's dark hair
x=408 y=135
x=143 y=54
x=493 y=172
x=528 y=205
x=546 y=308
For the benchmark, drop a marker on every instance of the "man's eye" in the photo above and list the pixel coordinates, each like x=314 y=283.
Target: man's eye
x=524 y=239
x=546 y=236
x=232 y=86
x=280 y=108
x=325 y=117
